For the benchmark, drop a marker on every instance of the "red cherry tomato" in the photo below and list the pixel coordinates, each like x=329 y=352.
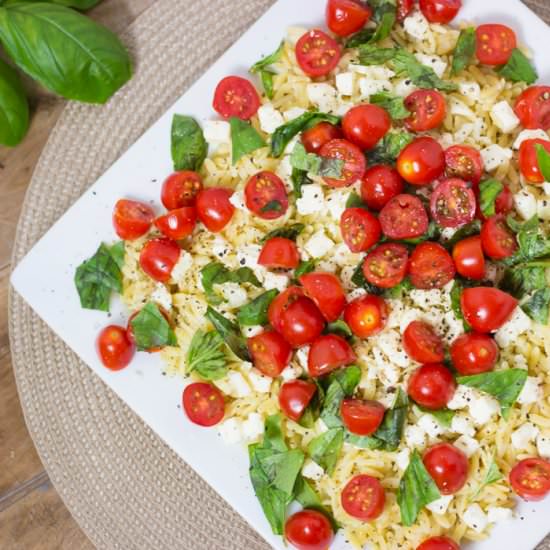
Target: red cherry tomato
x=114 y=347
x=469 y=259
x=362 y=417
x=428 y=110
x=530 y=479
x=315 y=138
x=236 y=96
x=132 y=219
x=495 y=44
x=439 y=543
x=355 y=163
x=360 y=229
x=158 y=258
x=381 y=184
x=328 y=353
x=422 y=343
x=528 y=160
x=431 y=266
x=203 y=403
x=440 y=11
x=474 y=353
x=498 y=241
x=464 y=162
x=366 y=315
x=453 y=203
x=365 y=125
x=326 y=291
x=448 y=467
x=345 y=17
x=432 y=386
x=486 y=309
x=265 y=195
x=422 y=161
x=280 y=304
x=130 y=329
x=363 y=498
x=279 y=253
x=504 y=202
x=404 y=8
x=180 y=189
x=295 y=396
x=309 y=530
x=404 y=217
x=533 y=108
x=214 y=209
x=386 y=265
x=301 y=322
x=270 y=353
x=178 y=224
x=317 y=53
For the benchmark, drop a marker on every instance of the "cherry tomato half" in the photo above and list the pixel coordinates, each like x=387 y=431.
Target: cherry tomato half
x=530 y=479
x=448 y=467
x=474 y=353
x=422 y=343
x=236 y=96
x=270 y=353
x=431 y=266
x=132 y=219
x=295 y=396
x=325 y=289
x=280 y=304
x=315 y=138
x=362 y=417
x=469 y=259
x=279 y=253
x=114 y=348
x=428 y=110
x=495 y=44
x=365 y=125
x=158 y=258
x=486 y=309
x=422 y=161
x=203 y=403
x=328 y=353
x=180 y=189
x=432 y=386
x=440 y=11
x=528 y=159
x=317 y=53
x=386 y=265
x=404 y=217
x=464 y=162
x=533 y=108
x=355 y=163
x=265 y=196
x=309 y=530
x=404 y=8
x=497 y=239
x=453 y=203
x=345 y=17
x=178 y=224
x=360 y=229
x=301 y=322
x=366 y=315
x=439 y=543
x=363 y=498
x=381 y=184
x=214 y=209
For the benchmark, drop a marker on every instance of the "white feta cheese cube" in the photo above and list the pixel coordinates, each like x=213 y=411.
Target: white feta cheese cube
x=302 y=355
x=253 y=427
x=312 y=200
x=403 y=458
x=291 y=373
x=181 y=268
x=531 y=392
x=237 y=200
x=220 y=247
x=529 y=134
x=237 y=385
x=292 y=113
x=278 y=281
x=344 y=83
x=495 y=156
x=390 y=343
x=336 y=202
x=323 y=96
x=496 y=514
x=523 y=436
x=475 y=518
x=162 y=297
x=217 y=131
x=543 y=445
x=417 y=26
x=518 y=324
x=250 y=332
x=470 y=90
x=312 y=470
x=260 y=383
x=461 y=425
x=434 y=62
x=430 y=425
x=247 y=256
x=319 y=245
x=369 y=87
x=441 y=505
x=233 y=294
x=462 y=398
x=526 y=204
x=483 y=408
x=415 y=437
x=543 y=209
x=270 y=118
x=426 y=299
x=404 y=87
x=459 y=108
x=468 y=445
x=504 y=117
x=231 y=431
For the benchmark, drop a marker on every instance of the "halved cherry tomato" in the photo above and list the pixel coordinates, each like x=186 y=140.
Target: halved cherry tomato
x=265 y=195
x=214 y=209
x=280 y=304
x=431 y=266
x=328 y=353
x=428 y=108
x=180 y=189
x=130 y=329
x=486 y=309
x=317 y=53
x=203 y=403
x=530 y=479
x=422 y=161
x=439 y=543
x=386 y=265
x=309 y=530
x=270 y=352
x=363 y=498
x=504 y=202
x=528 y=160
x=132 y=219
x=158 y=258
x=440 y=11
x=178 y=224
x=422 y=344
x=495 y=44
x=301 y=322
x=279 y=253
x=464 y=162
x=453 y=203
x=432 y=386
x=469 y=259
x=325 y=289
x=360 y=229
x=366 y=315
x=474 y=353
x=355 y=163
x=497 y=239
x=345 y=17
x=533 y=108
x=365 y=125
x=236 y=96
x=114 y=348
x=404 y=8
x=315 y=138
x=404 y=217
x=448 y=467
x=295 y=396
x=362 y=417
x=381 y=184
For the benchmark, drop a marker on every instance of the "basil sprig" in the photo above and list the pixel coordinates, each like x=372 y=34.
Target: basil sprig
x=14 y=107
x=230 y=333
x=489 y=190
x=151 y=329
x=244 y=139
x=315 y=164
x=325 y=449
x=255 y=312
x=519 y=69
x=216 y=273
x=464 y=51
x=189 y=148
x=206 y=356
x=492 y=475
x=266 y=74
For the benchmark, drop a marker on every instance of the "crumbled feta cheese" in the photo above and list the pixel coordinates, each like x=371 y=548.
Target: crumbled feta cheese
x=336 y=202
x=277 y=281
x=483 y=408
x=404 y=87
x=342 y=256
x=294 y=34
x=236 y=384
x=408 y=316
x=526 y=204
x=217 y=131
x=182 y=266
x=495 y=156
x=390 y=343
x=250 y=332
x=302 y=355
x=346 y=275
x=531 y=392
x=430 y=425
x=415 y=436
x=504 y=117
x=322 y=95
x=440 y=505
x=259 y=382
x=253 y=427
x=461 y=425
x=291 y=373
x=518 y=324
x=370 y=87
x=475 y=518
x=356 y=293
x=270 y=118
x=426 y=299
x=470 y=90
x=468 y=445
x=247 y=256
x=231 y=431
x=462 y=398
x=312 y=470
x=233 y=294
x=459 y=108
x=292 y=113
x=434 y=62
x=237 y=200
x=219 y=247
x=342 y=108
x=319 y=245
x=529 y=134
x=523 y=436
x=312 y=200
x=417 y=26
x=162 y=297
x=496 y=514
x=344 y=83
x=543 y=445
x=451 y=327
x=403 y=458
x=543 y=209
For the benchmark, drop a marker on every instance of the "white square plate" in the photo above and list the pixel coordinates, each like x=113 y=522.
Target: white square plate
x=88 y=222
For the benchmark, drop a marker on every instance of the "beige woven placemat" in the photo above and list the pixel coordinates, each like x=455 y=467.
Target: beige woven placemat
x=122 y=484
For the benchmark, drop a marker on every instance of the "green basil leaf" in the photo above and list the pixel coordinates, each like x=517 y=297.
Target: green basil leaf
x=339 y=327
x=522 y=280
x=537 y=307
x=360 y=38
x=299 y=179
x=82 y=5
x=543 y=158
x=358 y=279
x=492 y=475
x=268 y=60
x=308 y=498
x=532 y=245
x=325 y=449
x=14 y=107
x=255 y=312
x=206 y=356
x=519 y=69
x=290 y=232
x=216 y=273
x=489 y=190
x=399 y=291
x=117 y=251
x=370 y=54
x=444 y=417
x=387 y=151
x=272 y=206
x=456 y=293
x=306 y=266
x=341 y=384
x=230 y=332
x=385 y=14
x=65 y=51
x=151 y=329
x=355 y=201
x=273 y=436
x=267 y=83
x=432 y=234
x=393 y=104
x=244 y=138
x=314 y=164
x=467 y=230
x=189 y=148
x=464 y=51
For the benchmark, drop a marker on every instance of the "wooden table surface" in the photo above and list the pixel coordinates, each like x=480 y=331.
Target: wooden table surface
x=32 y=516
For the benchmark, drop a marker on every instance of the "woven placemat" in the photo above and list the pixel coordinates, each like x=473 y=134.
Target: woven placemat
x=123 y=485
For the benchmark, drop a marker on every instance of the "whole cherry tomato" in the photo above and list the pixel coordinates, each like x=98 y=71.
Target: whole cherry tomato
x=309 y=530
x=381 y=184
x=533 y=108
x=345 y=17
x=270 y=353
x=132 y=219
x=159 y=257
x=178 y=224
x=363 y=498
x=432 y=386
x=448 y=467
x=317 y=53
x=280 y=304
x=295 y=396
x=469 y=259
x=114 y=348
x=279 y=253
x=422 y=343
x=360 y=229
x=422 y=161
x=327 y=353
x=325 y=289
x=180 y=189
x=301 y=322
x=362 y=417
x=315 y=138
x=530 y=479
x=474 y=353
x=486 y=309
x=440 y=11
x=365 y=125
x=236 y=96
x=366 y=315
x=204 y=404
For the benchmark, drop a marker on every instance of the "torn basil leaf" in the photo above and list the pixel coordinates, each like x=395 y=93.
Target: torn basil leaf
x=255 y=312
x=464 y=51
x=393 y=104
x=489 y=190
x=206 y=356
x=189 y=148
x=151 y=329
x=315 y=164
x=543 y=157
x=230 y=333
x=387 y=151
x=325 y=449
x=244 y=139
x=290 y=232
x=519 y=69
x=339 y=327
x=215 y=273
x=537 y=307
x=306 y=266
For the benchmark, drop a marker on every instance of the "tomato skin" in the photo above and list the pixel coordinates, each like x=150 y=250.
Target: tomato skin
x=366 y=315
x=301 y=322
x=280 y=304
x=265 y=196
x=180 y=189
x=448 y=467
x=404 y=8
x=158 y=258
x=474 y=353
x=309 y=530
x=453 y=203
x=270 y=352
x=504 y=202
x=360 y=229
x=486 y=309
x=325 y=289
x=439 y=543
x=495 y=44
x=315 y=138
x=204 y=404
x=464 y=162
x=469 y=259
x=236 y=96
x=533 y=108
x=428 y=110
x=432 y=386
x=363 y=498
x=386 y=266
x=362 y=417
x=530 y=479
x=528 y=161
x=214 y=209
x=440 y=11
x=178 y=224
x=115 y=349
x=422 y=344
x=279 y=253
x=404 y=217
x=365 y=125
x=327 y=353
x=355 y=163
x=345 y=17
x=295 y=396
x=498 y=241
x=132 y=219
x=422 y=161
x=317 y=53
x=381 y=184
x=431 y=266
